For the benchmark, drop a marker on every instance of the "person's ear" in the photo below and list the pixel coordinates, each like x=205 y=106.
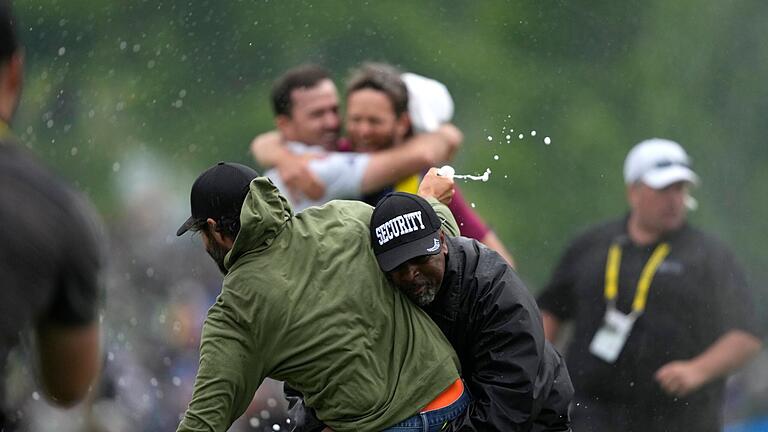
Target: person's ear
x=284 y=124
x=443 y=245
x=217 y=236
x=403 y=125
x=632 y=194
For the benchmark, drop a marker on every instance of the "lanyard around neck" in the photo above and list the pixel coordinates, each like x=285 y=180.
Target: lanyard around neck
x=643 y=285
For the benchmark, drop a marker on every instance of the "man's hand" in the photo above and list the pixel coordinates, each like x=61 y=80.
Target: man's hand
x=269 y=150
x=300 y=180
x=680 y=378
x=435 y=186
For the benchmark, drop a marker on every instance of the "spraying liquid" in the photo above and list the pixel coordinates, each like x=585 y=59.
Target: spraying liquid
x=448 y=171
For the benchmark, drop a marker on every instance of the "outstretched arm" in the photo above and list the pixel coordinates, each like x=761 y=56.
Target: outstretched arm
x=728 y=353
x=228 y=375
x=268 y=149
x=414 y=156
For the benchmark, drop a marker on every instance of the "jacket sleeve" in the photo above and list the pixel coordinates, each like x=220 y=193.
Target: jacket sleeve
x=450 y=227
x=507 y=347
x=228 y=375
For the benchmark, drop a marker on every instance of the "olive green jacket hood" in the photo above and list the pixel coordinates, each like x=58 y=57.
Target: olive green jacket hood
x=264 y=214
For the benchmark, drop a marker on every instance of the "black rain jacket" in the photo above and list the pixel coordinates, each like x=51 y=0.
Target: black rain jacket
x=518 y=381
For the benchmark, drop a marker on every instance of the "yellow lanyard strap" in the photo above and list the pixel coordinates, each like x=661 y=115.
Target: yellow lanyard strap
x=643 y=285
x=4 y=129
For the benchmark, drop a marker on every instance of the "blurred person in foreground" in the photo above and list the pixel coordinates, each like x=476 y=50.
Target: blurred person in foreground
x=398 y=126
x=517 y=380
x=661 y=311
x=303 y=301
x=50 y=255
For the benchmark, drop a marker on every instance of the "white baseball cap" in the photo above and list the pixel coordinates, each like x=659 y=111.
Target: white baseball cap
x=658 y=163
x=429 y=102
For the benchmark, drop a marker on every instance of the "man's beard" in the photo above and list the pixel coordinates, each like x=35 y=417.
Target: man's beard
x=421 y=294
x=218 y=253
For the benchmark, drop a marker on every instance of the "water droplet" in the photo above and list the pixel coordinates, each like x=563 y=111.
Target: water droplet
x=521 y=136
x=62 y=51
x=490 y=138
x=136 y=47
x=176 y=381
x=533 y=133
x=275 y=427
x=73 y=151
x=254 y=422
x=35 y=395
x=547 y=141
x=495 y=157
x=182 y=93
x=123 y=45
x=49 y=123
x=508 y=137
x=472 y=204
x=271 y=402
x=264 y=414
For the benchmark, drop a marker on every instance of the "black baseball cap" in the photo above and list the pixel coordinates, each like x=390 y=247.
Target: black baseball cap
x=403 y=226
x=218 y=191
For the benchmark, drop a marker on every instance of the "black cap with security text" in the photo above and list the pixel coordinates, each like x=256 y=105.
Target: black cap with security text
x=403 y=226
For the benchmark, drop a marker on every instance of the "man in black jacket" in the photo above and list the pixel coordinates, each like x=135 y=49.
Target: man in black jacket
x=517 y=380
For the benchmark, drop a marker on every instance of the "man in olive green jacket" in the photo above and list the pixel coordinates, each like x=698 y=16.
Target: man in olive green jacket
x=303 y=301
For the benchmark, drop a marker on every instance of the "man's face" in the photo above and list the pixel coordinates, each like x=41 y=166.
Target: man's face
x=371 y=121
x=314 y=116
x=420 y=278
x=215 y=250
x=659 y=210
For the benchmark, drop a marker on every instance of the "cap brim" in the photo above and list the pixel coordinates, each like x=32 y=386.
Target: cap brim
x=186 y=226
x=663 y=177
x=428 y=245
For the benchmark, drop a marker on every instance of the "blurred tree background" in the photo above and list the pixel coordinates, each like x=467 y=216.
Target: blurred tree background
x=134 y=92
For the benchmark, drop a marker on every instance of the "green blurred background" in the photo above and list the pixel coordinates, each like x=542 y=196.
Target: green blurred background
x=132 y=99
x=181 y=85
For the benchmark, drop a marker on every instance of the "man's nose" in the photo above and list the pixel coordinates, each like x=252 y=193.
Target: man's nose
x=331 y=120
x=411 y=271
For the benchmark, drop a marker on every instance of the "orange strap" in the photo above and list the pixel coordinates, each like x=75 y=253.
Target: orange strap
x=447 y=397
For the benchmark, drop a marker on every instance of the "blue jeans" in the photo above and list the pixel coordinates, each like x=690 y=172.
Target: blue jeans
x=435 y=420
